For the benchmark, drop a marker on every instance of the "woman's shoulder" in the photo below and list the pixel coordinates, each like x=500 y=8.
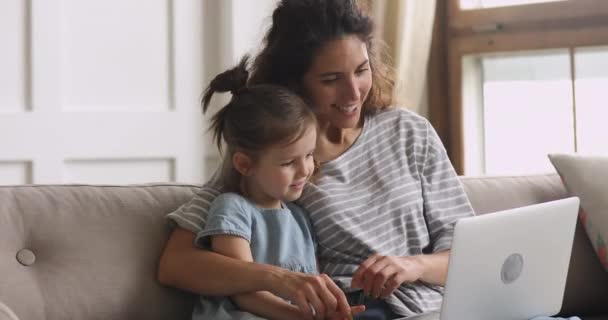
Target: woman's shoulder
x=399 y=114
x=401 y=119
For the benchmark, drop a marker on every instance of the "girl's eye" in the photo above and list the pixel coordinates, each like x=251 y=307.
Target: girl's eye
x=309 y=155
x=360 y=71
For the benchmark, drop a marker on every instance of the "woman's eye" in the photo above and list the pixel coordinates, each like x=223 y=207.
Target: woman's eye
x=360 y=71
x=288 y=163
x=329 y=80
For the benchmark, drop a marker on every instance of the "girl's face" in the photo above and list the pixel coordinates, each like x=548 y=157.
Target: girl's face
x=339 y=81
x=280 y=172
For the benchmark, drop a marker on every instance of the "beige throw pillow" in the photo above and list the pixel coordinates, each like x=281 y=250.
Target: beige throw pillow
x=587 y=178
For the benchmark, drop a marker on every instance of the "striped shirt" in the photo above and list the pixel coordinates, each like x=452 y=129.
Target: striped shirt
x=393 y=192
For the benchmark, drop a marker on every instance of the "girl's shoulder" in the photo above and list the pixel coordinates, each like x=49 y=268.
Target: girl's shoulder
x=295 y=208
x=231 y=200
x=300 y=215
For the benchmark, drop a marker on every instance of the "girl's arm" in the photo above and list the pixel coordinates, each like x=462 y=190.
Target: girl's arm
x=204 y=272
x=261 y=303
x=266 y=304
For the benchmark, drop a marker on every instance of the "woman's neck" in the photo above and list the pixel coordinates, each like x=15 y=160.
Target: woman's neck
x=333 y=141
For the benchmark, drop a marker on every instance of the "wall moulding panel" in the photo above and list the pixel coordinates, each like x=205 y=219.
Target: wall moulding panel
x=15 y=56
x=15 y=172
x=115 y=56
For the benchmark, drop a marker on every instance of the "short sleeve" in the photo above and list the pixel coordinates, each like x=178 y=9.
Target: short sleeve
x=192 y=215
x=445 y=200
x=229 y=214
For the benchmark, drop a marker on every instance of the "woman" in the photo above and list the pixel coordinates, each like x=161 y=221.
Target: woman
x=386 y=198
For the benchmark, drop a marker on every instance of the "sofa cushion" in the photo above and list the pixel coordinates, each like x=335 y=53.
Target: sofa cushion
x=491 y=194
x=88 y=252
x=587 y=178
x=6 y=313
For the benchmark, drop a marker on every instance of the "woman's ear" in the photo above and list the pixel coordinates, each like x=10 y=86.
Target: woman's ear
x=242 y=163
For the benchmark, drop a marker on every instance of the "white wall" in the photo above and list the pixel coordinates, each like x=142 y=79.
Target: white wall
x=231 y=29
x=107 y=91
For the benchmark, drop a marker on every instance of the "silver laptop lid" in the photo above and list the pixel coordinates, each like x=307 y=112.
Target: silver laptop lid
x=510 y=264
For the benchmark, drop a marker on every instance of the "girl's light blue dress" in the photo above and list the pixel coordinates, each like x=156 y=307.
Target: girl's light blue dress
x=281 y=237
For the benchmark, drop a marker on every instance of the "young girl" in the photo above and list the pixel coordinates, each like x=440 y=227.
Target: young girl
x=270 y=134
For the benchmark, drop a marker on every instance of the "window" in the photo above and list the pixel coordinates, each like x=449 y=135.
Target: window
x=526 y=78
x=591 y=96
x=521 y=106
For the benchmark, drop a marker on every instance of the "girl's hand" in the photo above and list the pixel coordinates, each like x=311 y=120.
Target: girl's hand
x=353 y=311
x=317 y=296
x=380 y=275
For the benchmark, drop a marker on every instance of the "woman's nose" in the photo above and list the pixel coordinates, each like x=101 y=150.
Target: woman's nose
x=351 y=90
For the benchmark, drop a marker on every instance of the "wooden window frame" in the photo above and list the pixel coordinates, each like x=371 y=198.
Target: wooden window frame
x=552 y=25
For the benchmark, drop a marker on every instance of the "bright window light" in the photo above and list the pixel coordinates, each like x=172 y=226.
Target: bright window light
x=591 y=81
x=480 y=4
x=523 y=111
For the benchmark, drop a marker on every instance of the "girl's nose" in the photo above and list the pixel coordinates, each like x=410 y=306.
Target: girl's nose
x=303 y=169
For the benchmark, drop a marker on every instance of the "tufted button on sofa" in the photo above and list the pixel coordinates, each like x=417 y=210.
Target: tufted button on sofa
x=87 y=252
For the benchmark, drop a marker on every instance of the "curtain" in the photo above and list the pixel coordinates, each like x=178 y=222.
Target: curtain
x=407 y=28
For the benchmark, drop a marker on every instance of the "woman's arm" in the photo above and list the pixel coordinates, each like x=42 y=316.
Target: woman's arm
x=204 y=272
x=434 y=267
x=444 y=202
x=380 y=275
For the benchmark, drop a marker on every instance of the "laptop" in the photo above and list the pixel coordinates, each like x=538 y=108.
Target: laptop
x=512 y=264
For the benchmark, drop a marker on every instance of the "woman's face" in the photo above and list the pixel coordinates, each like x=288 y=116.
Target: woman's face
x=339 y=81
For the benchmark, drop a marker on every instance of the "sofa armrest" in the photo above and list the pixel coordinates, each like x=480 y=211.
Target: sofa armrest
x=6 y=313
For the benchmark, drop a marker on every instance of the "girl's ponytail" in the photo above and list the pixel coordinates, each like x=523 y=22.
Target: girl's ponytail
x=233 y=80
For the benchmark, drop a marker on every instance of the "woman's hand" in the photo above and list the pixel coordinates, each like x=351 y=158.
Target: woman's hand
x=317 y=296
x=380 y=275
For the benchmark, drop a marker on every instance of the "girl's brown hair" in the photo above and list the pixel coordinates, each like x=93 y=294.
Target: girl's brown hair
x=301 y=27
x=257 y=117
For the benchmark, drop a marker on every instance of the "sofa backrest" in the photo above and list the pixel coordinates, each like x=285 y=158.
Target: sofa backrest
x=88 y=252
x=91 y=252
x=587 y=283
